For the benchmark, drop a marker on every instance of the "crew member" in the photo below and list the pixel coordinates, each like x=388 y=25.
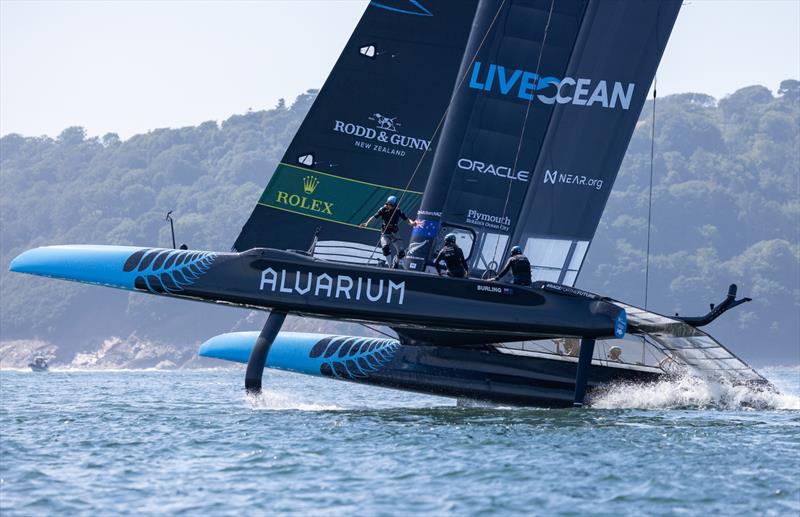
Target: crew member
x=390 y=215
x=520 y=268
x=453 y=258
x=571 y=346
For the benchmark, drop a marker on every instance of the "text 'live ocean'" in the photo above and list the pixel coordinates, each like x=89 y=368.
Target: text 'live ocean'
x=580 y=92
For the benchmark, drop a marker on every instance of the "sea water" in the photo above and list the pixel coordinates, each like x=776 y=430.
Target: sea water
x=189 y=442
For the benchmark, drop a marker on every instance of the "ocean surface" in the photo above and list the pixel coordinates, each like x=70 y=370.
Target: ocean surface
x=189 y=442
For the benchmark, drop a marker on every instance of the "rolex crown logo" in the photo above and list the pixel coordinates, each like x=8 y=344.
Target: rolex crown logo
x=310 y=184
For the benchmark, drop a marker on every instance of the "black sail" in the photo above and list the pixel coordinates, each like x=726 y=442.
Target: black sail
x=622 y=44
x=474 y=184
x=369 y=133
x=536 y=133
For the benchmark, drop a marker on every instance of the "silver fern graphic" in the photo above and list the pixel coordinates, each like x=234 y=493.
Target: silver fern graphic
x=353 y=357
x=167 y=271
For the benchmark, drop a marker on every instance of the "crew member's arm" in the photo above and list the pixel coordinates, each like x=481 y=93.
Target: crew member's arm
x=364 y=225
x=436 y=262
x=410 y=221
x=505 y=270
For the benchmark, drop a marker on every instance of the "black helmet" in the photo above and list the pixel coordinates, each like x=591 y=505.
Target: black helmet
x=516 y=250
x=450 y=238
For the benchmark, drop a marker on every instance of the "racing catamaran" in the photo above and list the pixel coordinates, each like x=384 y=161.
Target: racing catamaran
x=500 y=121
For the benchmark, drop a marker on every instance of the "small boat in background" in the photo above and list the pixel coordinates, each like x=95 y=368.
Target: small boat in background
x=39 y=364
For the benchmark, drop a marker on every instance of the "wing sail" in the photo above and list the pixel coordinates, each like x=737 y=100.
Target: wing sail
x=538 y=129
x=613 y=64
x=368 y=133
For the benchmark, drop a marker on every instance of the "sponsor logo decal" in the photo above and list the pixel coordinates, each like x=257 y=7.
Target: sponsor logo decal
x=383 y=138
x=554 y=177
x=325 y=196
x=495 y=289
x=568 y=90
x=414 y=247
x=337 y=287
x=496 y=222
x=560 y=288
x=310 y=184
x=500 y=171
x=384 y=122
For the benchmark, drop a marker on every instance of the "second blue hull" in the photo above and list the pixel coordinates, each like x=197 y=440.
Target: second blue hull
x=480 y=373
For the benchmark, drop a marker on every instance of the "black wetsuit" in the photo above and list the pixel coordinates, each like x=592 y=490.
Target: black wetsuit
x=520 y=268
x=390 y=216
x=453 y=258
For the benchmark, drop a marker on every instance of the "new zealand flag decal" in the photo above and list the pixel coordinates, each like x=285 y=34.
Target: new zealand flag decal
x=426 y=229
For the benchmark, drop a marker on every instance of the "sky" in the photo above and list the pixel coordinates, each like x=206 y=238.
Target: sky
x=131 y=67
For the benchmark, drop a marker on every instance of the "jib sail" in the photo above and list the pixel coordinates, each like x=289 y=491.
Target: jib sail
x=536 y=134
x=368 y=135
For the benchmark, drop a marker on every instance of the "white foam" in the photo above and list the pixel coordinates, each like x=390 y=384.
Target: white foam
x=688 y=391
x=276 y=401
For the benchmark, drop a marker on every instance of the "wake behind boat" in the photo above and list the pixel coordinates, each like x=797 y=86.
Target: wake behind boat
x=496 y=123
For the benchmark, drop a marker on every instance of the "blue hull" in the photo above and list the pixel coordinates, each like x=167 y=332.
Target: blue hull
x=475 y=373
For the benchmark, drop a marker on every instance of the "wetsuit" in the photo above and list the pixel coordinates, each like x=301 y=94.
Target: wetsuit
x=390 y=216
x=453 y=258
x=520 y=269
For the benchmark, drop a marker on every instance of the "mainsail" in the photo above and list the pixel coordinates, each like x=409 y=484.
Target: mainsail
x=512 y=116
x=368 y=135
x=536 y=133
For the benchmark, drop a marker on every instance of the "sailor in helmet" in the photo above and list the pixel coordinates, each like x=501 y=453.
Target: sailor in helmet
x=453 y=258
x=520 y=268
x=390 y=215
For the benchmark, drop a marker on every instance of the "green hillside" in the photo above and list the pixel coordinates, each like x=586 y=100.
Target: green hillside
x=726 y=209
